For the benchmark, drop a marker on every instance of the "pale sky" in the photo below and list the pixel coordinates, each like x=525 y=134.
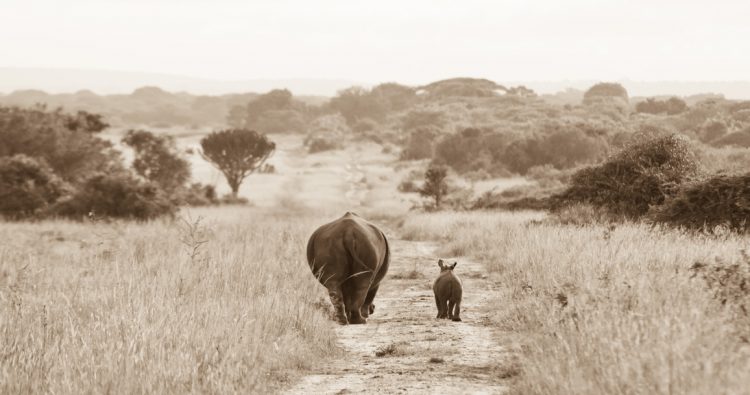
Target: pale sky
x=374 y=41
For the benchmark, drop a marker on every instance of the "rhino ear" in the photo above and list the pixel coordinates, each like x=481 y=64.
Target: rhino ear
x=440 y=263
x=453 y=266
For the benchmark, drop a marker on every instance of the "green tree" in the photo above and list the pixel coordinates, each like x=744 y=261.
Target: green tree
x=435 y=186
x=27 y=186
x=157 y=159
x=356 y=103
x=237 y=153
x=68 y=144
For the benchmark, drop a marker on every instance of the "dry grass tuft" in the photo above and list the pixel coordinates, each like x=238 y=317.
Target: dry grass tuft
x=390 y=349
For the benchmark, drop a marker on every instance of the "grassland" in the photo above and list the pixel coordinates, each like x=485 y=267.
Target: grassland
x=603 y=310
x=218 y=306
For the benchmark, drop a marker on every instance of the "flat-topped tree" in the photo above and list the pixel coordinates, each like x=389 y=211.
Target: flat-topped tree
x=237 y=153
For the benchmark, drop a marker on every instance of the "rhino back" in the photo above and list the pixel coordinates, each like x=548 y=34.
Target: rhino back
x=347 y=245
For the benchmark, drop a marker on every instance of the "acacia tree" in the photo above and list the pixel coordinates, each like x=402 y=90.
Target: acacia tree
x=237 y=153
x=434 y=183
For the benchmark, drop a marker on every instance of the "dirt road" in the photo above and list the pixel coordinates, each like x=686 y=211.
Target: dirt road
x=403 y=348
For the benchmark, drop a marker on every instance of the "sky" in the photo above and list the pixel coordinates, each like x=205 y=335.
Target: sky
x=409 y=41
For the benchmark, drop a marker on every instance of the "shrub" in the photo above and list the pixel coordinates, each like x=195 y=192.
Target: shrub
x=199 y=195
x=236 y=200
x=713 y=129
x=118 y=195
x=605 y=90
x=420 y=144
x=460 y=150
x=408 y=186
x=74 y=154
x=157 y=159
x=320 y=144
x=641 y=175
x=739 y=139
x=719 y=200
x=671 y=106
x=27 y=187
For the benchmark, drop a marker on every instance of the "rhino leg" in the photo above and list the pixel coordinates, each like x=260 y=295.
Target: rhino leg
x=451 y=305
x=442 y=313
x=337 y=300
x=457 y=312
x=356 y=305
x=369 y=308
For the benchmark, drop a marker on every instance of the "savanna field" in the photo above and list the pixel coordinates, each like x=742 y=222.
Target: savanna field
x=606 y=238
x=227 y=303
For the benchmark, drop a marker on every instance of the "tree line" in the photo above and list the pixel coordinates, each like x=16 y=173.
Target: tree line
x=54 y=164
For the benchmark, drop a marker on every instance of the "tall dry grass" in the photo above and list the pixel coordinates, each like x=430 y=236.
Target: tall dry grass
x=602 y=309
x=225 y=305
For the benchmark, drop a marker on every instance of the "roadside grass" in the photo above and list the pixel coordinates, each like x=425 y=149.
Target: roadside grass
x=222 y=305
x=604 y=309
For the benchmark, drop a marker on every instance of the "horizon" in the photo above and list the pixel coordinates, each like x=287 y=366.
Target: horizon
x=48 y=81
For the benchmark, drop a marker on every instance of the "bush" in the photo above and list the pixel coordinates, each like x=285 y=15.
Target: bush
x=118 y=195
x=640 y=176
x=199 y=195
x=606 y=91
x=713 y=129
x=408 y=186
x=738 y=139
x=236 y=200
x=671 y=106
x=320 y=144
x=420 y=144
x=157 y=159
x=73 y=154
x=27 y=187
x=722 y=200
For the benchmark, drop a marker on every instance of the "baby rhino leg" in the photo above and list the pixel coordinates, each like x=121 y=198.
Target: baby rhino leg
x=457 y=312
x=440 y=307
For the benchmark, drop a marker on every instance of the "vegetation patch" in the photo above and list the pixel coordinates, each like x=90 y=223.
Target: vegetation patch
x=721 y=200
x=642 y=175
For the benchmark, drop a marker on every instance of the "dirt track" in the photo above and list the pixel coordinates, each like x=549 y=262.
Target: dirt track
x=422 y=354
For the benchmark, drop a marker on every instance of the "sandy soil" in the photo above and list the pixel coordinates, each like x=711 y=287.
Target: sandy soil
x=422 y=354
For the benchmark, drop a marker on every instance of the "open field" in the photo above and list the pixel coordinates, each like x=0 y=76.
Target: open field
x=224 y=305
x=603 y=310
x=227 y=304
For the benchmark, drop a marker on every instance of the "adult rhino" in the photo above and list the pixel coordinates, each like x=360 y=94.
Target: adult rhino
x=349 y=256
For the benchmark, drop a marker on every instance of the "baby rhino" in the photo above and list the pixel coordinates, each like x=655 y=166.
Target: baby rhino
x=448 y=292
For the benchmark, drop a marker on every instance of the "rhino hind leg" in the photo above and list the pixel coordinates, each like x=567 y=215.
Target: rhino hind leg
x=457 y=312
x=451 y=305
x=369 y=308
x=357 y=299
x=337 y=300
x=442 y=310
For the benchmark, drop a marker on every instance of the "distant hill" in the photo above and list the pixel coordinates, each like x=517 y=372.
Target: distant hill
x=735 y=90
x=149 y=105
x=119 y=82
